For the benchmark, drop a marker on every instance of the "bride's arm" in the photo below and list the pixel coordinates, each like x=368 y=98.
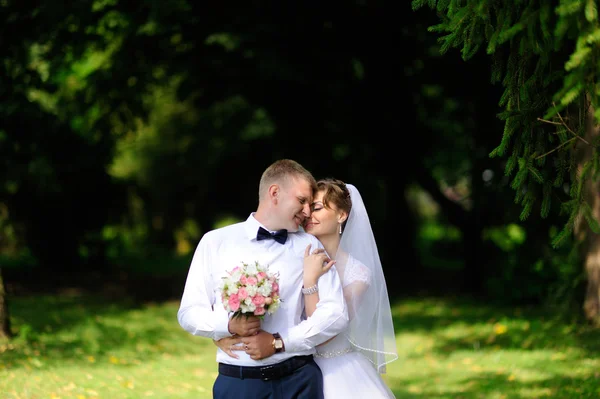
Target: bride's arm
x=316 y=264
x=353 y=294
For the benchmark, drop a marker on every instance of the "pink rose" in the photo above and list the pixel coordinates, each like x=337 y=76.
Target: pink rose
x=242 y=293
x=258 y=300
x=268 y=300
x=234 y=302
x=235 y=269
x=261 y=276
x=275 y=287
x=251 y=281
x=259 y=311
x=243 y=280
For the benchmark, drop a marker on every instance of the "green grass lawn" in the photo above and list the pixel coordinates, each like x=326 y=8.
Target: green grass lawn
x=85 y=347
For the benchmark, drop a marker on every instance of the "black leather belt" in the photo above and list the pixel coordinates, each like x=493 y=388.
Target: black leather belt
x=270 y=372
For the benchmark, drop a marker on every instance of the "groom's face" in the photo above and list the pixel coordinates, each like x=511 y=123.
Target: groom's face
x=294 y=203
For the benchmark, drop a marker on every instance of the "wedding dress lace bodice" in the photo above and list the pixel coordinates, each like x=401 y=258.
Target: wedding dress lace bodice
x=352 y=272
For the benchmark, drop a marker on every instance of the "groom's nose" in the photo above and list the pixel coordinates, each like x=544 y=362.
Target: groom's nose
x=306 y=211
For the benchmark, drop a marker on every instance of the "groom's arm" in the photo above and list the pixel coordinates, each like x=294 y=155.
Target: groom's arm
x=328 y=320
x=197 y=313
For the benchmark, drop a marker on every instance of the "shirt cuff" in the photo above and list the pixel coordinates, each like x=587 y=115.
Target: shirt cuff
x=293 y=345
x=222 y=329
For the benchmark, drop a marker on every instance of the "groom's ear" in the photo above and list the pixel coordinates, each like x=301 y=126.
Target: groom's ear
x=274 y=192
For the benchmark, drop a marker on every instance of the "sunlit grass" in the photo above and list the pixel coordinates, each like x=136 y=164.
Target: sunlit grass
x=453 y=349
x=86 y=347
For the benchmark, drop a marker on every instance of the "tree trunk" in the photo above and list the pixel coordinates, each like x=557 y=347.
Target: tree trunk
x=588 y=240
x=5 y=331
x=474 y=272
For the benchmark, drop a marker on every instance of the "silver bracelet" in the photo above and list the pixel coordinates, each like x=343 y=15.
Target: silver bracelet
x=310 y=290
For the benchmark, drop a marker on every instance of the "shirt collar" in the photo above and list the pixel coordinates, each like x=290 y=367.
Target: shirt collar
x=251 y=226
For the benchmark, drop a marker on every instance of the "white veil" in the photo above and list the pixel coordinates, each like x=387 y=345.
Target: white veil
x=371 y=329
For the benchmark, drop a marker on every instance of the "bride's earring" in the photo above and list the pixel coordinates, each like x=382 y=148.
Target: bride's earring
x=340 y=229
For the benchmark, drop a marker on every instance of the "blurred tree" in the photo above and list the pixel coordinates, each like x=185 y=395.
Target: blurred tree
x=546 y=57
x=54 y=152
x=5 y=330
x=132 y=127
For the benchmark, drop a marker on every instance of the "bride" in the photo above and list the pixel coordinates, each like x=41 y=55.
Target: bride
x=351 y=362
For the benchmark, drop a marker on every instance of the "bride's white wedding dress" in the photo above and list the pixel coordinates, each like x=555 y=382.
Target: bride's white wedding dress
x=346 y=372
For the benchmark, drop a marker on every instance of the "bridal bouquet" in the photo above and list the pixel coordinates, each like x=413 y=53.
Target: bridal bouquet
x=249 y=290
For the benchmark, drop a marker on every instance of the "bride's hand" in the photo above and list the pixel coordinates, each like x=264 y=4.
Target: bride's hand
x=229 y=345
x=316 y=264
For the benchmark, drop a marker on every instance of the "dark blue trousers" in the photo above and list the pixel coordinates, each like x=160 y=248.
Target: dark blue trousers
x=304 y=383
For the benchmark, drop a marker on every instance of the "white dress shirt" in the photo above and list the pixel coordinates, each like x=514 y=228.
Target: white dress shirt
x=202 y=313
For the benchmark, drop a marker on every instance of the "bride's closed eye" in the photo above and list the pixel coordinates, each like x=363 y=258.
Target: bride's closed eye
x=316 y=206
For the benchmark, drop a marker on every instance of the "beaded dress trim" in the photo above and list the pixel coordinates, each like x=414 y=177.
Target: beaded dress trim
x=333 y=353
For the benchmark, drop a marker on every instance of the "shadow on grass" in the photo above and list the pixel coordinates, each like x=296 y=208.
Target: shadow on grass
x=72 y=328
x=494 y=385
x=476 y=326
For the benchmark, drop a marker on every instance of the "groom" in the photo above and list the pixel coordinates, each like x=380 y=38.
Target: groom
x=277 y=359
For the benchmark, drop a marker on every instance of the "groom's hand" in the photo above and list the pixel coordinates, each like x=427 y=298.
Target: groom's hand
x=259 y=346
x=244 y=326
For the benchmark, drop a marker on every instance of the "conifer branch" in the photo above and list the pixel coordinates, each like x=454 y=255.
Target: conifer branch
x=554 y=149
x=568 y=128
x=550 y=122
x=562 y=123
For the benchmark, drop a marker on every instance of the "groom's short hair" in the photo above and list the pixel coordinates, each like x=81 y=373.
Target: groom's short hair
x=280 y=172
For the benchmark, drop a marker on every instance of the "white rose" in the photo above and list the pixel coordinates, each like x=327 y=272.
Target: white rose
x=273 y=307
x=232 y=289
x=251 y=269
x=265 y=289
x=251 y=290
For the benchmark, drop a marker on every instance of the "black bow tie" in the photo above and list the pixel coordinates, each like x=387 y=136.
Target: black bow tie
x=280 y=235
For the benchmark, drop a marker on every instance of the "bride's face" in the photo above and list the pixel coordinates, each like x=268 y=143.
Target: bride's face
x=323 y=221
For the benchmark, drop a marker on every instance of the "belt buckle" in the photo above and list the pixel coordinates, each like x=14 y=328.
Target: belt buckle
x=267 y=372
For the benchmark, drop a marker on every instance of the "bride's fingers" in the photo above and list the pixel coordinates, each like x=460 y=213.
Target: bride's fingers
x=307 y=250
x=229 y=350
x=324 y=257
x=233 y=340
x=328 y=265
